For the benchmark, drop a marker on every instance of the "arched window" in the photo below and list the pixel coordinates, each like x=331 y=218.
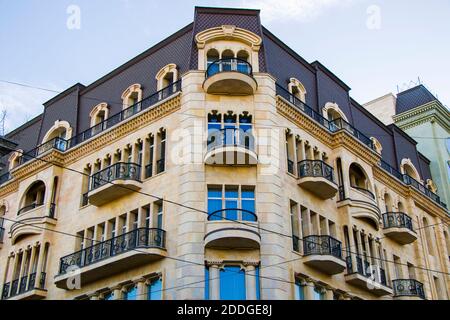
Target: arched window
x=358 y=178
x=14 y=159
x=227 y=55
x=132 y=95
x=388 y=202
x=331 y=111
x=297 y=89
x=428 y=236
x=60 y=129
x=33 y=197
x=400 y=207
x=212 y=56
x=408 y=168
x=166 y=76
x=98 y=115
x=242 y=65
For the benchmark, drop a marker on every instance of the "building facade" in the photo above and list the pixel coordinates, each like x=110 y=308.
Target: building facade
x=422 y=116
x=218 y=164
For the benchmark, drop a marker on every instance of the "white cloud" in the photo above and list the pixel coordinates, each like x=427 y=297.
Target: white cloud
x=298 y=10
x=21 y=103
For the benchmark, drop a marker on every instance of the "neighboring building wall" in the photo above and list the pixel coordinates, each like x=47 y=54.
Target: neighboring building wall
x=383 y=108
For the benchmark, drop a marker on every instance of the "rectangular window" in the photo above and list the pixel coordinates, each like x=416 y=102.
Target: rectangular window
x=318 y=294
x=231 y=203
x=232 y=283
x=147 y=216
x=206 y=283
x=154 y=290
x=131 y=293
x=299 y=291
x=258 y=284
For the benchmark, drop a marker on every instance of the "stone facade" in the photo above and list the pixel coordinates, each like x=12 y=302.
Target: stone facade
x=126 y=212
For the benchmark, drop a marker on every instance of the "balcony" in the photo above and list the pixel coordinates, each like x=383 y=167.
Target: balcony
x=113 y=182
x=33 y=219
x=399 y=227
x=408 y=289
x=231 y=146
x=317 y=177
x=366 y=276
x=323 y=253
x=232 y=228
x=25 y=288
x=113 y=256
x=57 y=143
x=230 y=77
x=340 y=124
x=361 y=204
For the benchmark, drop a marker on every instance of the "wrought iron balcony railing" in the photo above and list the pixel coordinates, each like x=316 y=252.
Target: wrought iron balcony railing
x=29 y=208
x=63 y=145
x=365 y=269
x=118 y=171
x=315 y=168
x=231 y=137
x=341 y=124
x=397 y=220
x=408 y=288
x=365 y=191
x=142 y=238
x=412 y=182
x=322 y=245
x=233 y=215
x=229 y=65
x=25 y=284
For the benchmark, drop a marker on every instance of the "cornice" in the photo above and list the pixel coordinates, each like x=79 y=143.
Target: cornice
x=303 y=122
x=431 y=111
x=54 y=157
x=343 y=139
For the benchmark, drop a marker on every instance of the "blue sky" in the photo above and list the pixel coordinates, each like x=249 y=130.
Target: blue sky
x=371 y=45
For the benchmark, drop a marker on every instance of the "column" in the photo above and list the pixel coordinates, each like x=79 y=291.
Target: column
x=352 y=248
x=329 y=295
x=302 y=151
x=145 y=157
x=40 y=265
x=360 y=250
x=117 y=293
x=22 y=268
x=309 y=290
x=250 y=282
x=141 y=289
x=307 y=223
x=214 y=282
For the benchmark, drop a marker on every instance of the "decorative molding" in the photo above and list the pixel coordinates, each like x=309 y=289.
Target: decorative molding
x=228 y=32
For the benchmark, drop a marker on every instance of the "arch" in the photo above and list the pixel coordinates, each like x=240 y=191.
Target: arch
x=34 y=195
x=61 y=129
x=243 y=55
x=358 y=177
x=297 y=89
x=228 y=32
x=166 y=76
x=99 y=113
x=14 y=159
x=388 y=202
x=131 y=95
x=377 y=145
x=408 y=168
x=331 y=111
x=400 y=207
x=227 y=54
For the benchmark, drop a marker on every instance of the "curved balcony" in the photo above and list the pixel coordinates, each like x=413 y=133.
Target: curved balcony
x=408 y=289
x=231 y=146
x=361 y=204
x=112 y=256
x=366 y=276
x=232 y=228
x=26 y=288
x=230 y=77
x=317 y=177
x=399 y=227
x=323 y=253
x=33 y=219
x=113 y=182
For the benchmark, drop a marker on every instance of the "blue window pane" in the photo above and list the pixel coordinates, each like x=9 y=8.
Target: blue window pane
x=250 y=206
x=154 y=290
x=131 y=294
x=318 y=294
x=206 y=283
x=258 y=284
x=232 y=283
x=230 y=135
x=108 y=296
x=248 y=193
x=299 y=292
x=213 y=206
x=214 y=192
x=231 y=193
x=231 y=214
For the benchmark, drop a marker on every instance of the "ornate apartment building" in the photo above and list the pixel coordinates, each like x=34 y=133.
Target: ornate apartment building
x=218 y=164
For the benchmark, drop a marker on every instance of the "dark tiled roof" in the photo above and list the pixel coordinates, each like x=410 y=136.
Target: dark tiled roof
x=412 y=98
